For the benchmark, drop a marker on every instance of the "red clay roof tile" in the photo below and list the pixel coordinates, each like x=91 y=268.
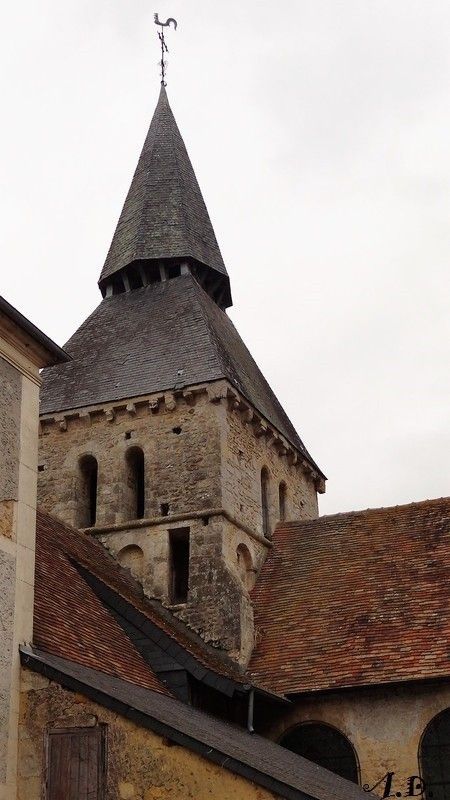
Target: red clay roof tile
x=355 y=599
x=69 y=619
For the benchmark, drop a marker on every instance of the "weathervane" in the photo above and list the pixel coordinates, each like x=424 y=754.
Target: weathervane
x=164 y=50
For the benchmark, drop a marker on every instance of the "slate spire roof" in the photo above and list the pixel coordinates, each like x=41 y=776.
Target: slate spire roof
x=145 y=335
x=164 y=215
x=136 y=343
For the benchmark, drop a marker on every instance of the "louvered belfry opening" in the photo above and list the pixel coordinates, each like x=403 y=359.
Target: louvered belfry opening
x=164 y=230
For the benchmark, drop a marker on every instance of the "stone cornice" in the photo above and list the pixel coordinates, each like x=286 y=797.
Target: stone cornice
x=170 y=519
x=166 y=402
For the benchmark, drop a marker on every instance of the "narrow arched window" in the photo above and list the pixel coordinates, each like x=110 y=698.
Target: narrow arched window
x=265 y=501
x=435 y=757
x=282 y=500
x=324 y=745
x=87 y=501
x=131 y=557
x=136 y=482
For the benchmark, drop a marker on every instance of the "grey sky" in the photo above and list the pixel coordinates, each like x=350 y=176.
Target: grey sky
x=319 y=133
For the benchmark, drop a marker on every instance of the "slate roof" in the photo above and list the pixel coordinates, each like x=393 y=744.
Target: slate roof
x=355 y=599
x=136 y=342
x=259 y=760
x=164 y=214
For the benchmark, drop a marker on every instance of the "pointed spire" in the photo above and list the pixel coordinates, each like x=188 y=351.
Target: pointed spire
x=164 y=218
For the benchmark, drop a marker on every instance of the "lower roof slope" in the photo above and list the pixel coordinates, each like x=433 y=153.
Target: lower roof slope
x=69 y=619
x=69 y=563
x=137 y=343
x=259 y=760
x=354 y=599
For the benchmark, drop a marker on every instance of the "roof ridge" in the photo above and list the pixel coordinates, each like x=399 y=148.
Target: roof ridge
x=143 y=207
x=180 y=177
x=361 y=511
x=218 y=347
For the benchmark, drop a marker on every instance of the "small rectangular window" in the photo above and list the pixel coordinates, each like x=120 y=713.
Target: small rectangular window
x=178 y=565
x=76 y=763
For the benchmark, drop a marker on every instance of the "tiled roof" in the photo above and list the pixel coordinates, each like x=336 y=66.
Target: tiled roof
x=135 y=344
x=164 y=214
x=69 y=620
x=354 y=599
x=63 y=595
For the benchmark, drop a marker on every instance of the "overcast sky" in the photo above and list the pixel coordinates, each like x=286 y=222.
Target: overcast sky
x=319 y=131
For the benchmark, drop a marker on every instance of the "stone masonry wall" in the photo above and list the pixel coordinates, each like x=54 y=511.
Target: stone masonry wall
x=203 y=464
x=385 y=725
x=181 y=452
x=140 y=764
x=244 y=456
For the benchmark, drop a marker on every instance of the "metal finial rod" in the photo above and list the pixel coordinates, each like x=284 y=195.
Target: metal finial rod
x=164 y=49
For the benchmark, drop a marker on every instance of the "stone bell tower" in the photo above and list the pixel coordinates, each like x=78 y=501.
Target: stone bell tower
x=161 y=436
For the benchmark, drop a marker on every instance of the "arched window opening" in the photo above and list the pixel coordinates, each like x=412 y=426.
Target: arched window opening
x=435 y=757
x=132 y=558
x=265 y=501
x=246 y=569
x=87 y=510
x=282 y=500
x=324 y=745
x=179 y=565
x=136 y=482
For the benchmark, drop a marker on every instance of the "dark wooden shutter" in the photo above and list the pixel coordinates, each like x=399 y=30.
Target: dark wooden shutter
x=75 y=764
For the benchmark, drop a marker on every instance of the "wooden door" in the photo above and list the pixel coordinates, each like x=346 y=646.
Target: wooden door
x=75 y=764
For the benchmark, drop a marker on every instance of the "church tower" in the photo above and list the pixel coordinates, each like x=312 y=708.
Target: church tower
x=161 y=436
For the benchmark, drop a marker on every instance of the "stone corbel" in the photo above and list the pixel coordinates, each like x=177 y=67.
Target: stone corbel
x=61 y=421
x=110 y=415
x=217 y=391
x=320 y=485
x=131 y=409
x=247 y=415
x=292 y=458
x=170 y=402
x=272 y=439
x=261 y=428
x=189 y=397
x=85 y=417
x=153 y=405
